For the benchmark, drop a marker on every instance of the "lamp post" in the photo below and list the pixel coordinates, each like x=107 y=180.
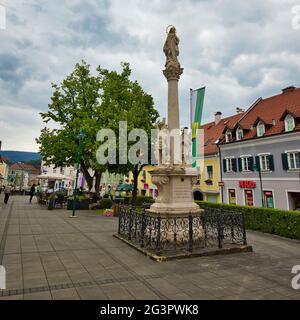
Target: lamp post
x=75 y=193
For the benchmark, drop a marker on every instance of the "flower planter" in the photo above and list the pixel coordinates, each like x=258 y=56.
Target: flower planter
x=51 y=204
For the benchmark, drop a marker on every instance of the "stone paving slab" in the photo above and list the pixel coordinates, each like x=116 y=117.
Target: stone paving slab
x=47 y=255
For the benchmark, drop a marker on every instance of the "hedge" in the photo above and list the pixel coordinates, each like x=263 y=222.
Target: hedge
x=275 y=221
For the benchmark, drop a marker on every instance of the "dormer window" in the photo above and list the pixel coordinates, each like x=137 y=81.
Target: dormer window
x=260 y=129
x=228 y=136
x=289 y=123
x=239 y=134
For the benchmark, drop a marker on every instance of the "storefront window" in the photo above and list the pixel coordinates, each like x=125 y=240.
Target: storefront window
x=269 y=200
x=232 y=196
x=249 y=201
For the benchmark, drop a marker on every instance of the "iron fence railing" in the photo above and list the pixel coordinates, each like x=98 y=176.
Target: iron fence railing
x=214 y=228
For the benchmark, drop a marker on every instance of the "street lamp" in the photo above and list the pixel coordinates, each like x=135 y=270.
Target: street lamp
x=75 y=193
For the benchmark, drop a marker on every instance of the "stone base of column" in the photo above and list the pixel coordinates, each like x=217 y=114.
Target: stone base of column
x=175 y=192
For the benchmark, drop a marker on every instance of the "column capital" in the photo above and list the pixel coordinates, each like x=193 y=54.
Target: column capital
x=173 y=72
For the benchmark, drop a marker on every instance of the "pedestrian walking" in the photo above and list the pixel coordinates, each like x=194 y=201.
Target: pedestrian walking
x=7 y=192
x=32 y=192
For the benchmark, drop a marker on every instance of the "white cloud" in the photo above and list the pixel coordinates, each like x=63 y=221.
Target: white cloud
x=239 y=50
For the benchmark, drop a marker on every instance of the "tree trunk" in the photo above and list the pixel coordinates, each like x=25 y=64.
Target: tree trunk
x=87 y=176
x=98 y=176
x=135 y=182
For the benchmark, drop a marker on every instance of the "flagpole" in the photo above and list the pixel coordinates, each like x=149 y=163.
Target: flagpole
x=191 y=108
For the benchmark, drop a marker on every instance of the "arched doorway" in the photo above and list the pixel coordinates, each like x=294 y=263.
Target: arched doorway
x=198 y=195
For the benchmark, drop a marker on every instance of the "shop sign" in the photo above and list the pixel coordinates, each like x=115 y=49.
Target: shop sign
x=247 y=184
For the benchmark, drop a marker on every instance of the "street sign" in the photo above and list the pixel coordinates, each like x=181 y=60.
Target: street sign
x=221 y=183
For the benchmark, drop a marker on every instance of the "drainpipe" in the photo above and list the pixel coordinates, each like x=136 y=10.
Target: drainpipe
x=221 y=175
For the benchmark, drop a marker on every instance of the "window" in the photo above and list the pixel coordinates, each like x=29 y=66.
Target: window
x=209 y=172
x=249 y=200
x=228 y=136
x=293 y=160
x=268 y=199
x=229 y=164
x=289 y=123
x=260 y=129
x=231 y=196
x=246 y=163
x=264 y=161
x=239 y=134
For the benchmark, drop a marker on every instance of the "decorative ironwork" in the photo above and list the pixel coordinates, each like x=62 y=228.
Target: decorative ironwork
x=214 y=228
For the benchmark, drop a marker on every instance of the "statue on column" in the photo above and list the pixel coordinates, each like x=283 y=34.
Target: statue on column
x=171 y=49
x=173 y=69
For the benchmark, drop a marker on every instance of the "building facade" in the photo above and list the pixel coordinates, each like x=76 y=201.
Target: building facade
x=261 y=154
x=145 y=185
x=3 y=171
x=21 y=175
x=56 y=184
x=207 y=188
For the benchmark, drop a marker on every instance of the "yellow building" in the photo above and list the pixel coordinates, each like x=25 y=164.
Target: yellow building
x=207 y=188
x=3 y=171
x=145 y=185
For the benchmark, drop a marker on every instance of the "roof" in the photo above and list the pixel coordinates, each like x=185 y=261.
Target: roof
x=271 y=111
x=4 y=159
x=213 y=132
x=23 y=167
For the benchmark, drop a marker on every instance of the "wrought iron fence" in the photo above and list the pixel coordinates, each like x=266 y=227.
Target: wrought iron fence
x=212 y=228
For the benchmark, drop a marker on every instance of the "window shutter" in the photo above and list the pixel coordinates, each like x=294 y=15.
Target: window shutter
x=251 y=164
x=271 y=162
x=257 y=163
x=224 y=165
x=240 y=164
x=285 y=163
x=234 y=165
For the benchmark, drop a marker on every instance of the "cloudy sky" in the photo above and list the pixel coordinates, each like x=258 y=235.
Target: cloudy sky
x=239 y=50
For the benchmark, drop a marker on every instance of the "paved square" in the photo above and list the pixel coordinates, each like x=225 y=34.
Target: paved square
x=48 y=255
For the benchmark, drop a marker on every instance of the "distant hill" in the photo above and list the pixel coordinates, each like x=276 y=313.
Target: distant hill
x=20 y=156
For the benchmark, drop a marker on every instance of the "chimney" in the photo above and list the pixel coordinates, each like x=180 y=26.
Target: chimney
x=288 y=89
x=218 y=115
x=239 y=110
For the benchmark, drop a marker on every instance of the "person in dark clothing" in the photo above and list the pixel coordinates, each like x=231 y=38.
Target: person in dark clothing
x=7 y=192
x=32 y=192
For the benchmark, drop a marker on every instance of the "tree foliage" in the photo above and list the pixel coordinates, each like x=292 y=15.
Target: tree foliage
x=92 y=102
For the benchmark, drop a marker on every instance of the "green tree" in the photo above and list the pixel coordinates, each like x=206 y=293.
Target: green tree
x=125 y=100
x=93 y=102
x=74 y=105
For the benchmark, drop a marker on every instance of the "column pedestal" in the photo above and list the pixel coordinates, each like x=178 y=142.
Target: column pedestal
x=175 y=192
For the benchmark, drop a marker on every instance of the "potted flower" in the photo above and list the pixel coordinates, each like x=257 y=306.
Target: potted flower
x=51 y=203
x=108 y=213
x=208 y=181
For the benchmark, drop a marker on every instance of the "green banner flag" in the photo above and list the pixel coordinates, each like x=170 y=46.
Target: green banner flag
x=197 y=101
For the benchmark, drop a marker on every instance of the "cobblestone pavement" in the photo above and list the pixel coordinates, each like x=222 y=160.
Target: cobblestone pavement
x=48 y=255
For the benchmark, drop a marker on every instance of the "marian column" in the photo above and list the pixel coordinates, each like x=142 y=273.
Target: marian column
x=172 y=73
x=174 y=181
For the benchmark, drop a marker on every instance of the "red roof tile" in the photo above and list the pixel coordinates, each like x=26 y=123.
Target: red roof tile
x=23 y=166
x=270 y=110
x=213 y=132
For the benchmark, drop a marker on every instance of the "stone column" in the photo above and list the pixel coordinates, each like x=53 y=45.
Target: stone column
x=172 y=74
